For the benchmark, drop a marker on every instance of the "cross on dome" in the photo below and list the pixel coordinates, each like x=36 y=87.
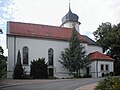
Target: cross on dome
x=70 y=16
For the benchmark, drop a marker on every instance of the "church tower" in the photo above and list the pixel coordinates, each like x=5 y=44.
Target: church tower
x=70 y=20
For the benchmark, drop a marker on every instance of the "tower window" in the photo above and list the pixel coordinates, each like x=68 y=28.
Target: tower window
x=25 y=55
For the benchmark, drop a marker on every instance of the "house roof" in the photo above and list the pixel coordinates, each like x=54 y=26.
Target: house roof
x=99 y=56
x=43 y=31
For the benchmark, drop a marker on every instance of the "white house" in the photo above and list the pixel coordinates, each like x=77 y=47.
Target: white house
x=35 y=41
x=101 y=64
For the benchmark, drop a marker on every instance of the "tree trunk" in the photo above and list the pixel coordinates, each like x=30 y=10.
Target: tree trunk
x=79 y=73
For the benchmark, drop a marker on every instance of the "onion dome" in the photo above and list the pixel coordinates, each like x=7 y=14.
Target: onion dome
x=70 y=17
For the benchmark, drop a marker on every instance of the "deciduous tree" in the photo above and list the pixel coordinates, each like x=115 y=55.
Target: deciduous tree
x=108 y=36
x=101 y=35
x=3 y=64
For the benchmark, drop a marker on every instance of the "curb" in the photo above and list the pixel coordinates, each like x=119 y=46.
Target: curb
x=15 y=84
x=87 y=87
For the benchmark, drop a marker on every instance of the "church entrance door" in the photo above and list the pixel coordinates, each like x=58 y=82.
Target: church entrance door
x=50 y=72
x=88 y=70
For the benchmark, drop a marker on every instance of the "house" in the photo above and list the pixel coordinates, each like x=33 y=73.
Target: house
x=101 y=64
x=36 y=40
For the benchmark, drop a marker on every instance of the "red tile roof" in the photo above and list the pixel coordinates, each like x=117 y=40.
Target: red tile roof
x=99 y=56
x=40 y=31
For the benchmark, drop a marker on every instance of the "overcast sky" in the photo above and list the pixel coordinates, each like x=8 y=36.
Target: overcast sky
x=50 y=12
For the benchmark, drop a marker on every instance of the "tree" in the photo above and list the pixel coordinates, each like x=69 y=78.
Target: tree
x=114 y=37
x=18 y=70
x=3 y=69
x=73 y=58
x=2 y=57
x=38 y=69
x=101 y=35
x=109 y=37
x=1 y=51
x=3 y=64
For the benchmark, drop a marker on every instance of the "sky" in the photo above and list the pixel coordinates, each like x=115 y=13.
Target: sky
x=92 y=13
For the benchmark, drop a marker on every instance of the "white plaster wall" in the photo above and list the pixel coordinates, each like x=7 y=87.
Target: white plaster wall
x=38 y=48
x=110 y=63
x=70 y=24
x=93 y=48
x=94 y=70
x=10 y=61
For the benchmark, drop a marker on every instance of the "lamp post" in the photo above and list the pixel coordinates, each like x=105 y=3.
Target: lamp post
x=1 y=32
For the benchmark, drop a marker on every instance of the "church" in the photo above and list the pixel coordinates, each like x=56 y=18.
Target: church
x=36 y=41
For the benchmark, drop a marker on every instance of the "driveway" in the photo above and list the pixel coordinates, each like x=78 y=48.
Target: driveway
x=58 y=84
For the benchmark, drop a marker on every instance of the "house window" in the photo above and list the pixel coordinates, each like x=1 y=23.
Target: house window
x=107 y=67
x=25 y=55
x=50 y=56
x=102 y=67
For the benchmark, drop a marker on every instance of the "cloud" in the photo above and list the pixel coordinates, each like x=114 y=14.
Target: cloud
x=2 y=39
x=3 y=43
x=50 y=12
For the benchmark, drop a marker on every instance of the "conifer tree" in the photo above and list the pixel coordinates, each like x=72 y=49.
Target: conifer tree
x=18 y=70
x=73 y=58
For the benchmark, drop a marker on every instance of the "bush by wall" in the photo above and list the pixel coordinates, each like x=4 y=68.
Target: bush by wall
x=109 y=83
x=38 y=69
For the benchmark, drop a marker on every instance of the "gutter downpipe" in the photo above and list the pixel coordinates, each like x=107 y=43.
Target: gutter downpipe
x=97 y=68
x=14 y=50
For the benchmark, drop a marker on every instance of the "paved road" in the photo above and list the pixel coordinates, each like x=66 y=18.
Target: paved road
x=65 y=84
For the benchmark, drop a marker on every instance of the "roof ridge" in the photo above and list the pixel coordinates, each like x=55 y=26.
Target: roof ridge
x=27 y=23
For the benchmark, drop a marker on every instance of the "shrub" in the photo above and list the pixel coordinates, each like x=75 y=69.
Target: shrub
x=3 y=64
x=53 y=78
x=110 y=74
x=3 y=69
x=38 y=69
x=26 y=76
x=86 y=76
x=109 y=83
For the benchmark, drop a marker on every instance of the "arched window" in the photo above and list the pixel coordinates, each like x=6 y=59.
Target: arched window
x=25 y=55
x=50 y=56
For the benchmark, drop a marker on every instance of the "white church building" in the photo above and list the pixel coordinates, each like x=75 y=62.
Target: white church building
x=36 y=41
